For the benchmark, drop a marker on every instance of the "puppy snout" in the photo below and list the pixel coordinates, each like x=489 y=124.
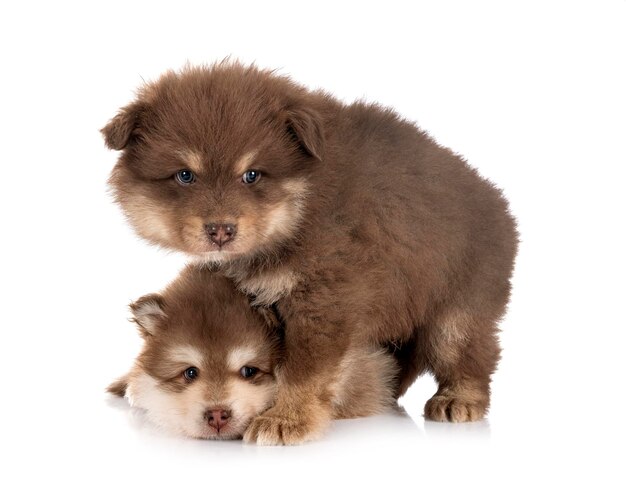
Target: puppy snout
x=220 y=233
x=217 y=418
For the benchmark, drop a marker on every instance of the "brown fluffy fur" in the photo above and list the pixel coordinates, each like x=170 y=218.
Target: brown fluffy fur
x=362 y=230
x=202 y=321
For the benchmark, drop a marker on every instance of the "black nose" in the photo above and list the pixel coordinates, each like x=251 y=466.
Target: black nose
x=220 y=233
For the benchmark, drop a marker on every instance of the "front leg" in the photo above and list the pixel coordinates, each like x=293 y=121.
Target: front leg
x=298 y=416
x=315 y=342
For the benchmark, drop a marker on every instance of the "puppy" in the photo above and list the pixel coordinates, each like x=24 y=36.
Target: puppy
x=351 y=221
x=209 y=362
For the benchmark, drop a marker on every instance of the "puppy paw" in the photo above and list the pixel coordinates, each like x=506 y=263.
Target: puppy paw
x=276 y=428
x=454 y=409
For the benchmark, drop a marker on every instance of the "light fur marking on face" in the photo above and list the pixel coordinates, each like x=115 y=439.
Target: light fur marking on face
x=296 y=187
x=161 y=407
x=192 y=159
x=240 y=356
x=176 y=413
x=278 y=220
x=183 y=413
x=186 y=354
x=249 y=400
x=243 y=163
x=148 y=219
x=285 y=216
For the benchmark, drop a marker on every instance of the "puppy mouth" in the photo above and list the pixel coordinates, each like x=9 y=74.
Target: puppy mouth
x=233 y=430
x=225 y=433
x=225 y=247
x=218 y=252
x=213 y=257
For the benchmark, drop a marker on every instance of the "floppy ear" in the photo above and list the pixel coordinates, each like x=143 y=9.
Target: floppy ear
x=123 y=127
x=306 y=126
x=148 y=313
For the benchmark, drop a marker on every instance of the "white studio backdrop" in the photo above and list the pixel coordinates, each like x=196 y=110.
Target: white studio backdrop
x=531 y=93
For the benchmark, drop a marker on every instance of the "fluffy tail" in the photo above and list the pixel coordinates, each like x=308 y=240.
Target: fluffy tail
x=119 y=386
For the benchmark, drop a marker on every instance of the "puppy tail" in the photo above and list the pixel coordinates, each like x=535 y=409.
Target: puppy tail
x=118 y=387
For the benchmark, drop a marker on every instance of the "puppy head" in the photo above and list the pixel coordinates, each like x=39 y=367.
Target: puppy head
x=206 y=369
x=216 y=162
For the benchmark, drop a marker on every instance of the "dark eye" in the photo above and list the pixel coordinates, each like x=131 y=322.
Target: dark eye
x=251 y=176
x=190 y=374
x=248 y=372
x=185 y=177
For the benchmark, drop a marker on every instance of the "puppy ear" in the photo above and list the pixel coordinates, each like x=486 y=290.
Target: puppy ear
x=123 y=127
x=118 y=388
x=306 y=126
x=269 y=315
x=148 y=313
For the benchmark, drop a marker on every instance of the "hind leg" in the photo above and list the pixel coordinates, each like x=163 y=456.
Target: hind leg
x=462 y=351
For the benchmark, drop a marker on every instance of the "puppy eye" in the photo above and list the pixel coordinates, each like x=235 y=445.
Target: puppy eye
x=248 y=372
x=251 y=176
x=190 y=374
x=185 y=177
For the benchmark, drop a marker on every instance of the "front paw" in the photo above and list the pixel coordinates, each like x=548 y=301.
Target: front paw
x=446 y=408
x=276 y=427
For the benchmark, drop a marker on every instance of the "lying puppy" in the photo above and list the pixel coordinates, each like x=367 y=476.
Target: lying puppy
x=352 y=221
x=209 y=362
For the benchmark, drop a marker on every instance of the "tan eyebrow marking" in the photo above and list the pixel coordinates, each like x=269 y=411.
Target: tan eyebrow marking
x=243 y=163
x=240 y=356
x=193 y=159
x=186 y=354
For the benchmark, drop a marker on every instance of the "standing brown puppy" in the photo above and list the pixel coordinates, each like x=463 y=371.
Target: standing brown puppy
x=357 y=225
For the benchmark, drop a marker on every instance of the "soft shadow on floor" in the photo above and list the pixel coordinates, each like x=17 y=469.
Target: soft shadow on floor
x=392 y=428
x=474 y=430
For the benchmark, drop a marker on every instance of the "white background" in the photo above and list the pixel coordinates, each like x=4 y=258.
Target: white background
x=531 y=93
